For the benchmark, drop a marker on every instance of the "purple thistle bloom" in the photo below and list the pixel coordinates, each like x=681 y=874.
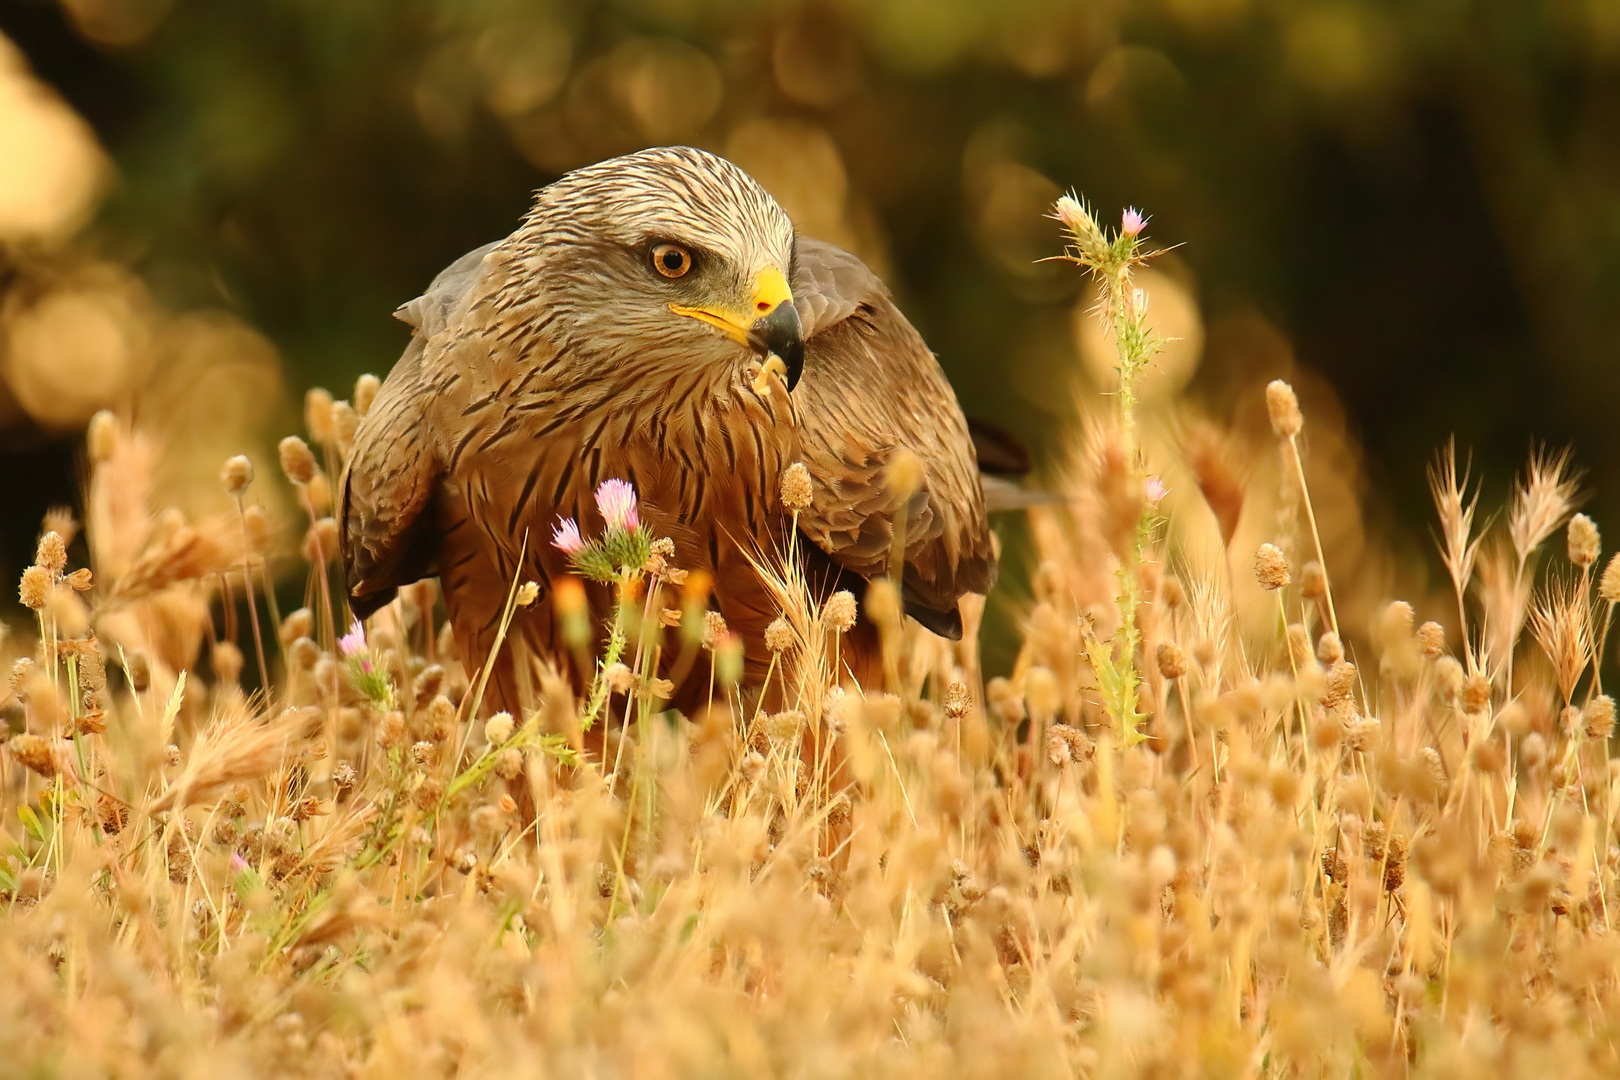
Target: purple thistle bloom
x=1131 y=222
x=565 y=537
x=617 y=501
x=238 y=864
x=354 y=641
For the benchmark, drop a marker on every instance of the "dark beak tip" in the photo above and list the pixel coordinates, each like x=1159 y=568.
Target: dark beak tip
x=781 y=333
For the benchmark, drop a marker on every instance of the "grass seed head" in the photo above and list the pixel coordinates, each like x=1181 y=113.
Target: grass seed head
x=779 y=635
x=51 y=553
x=35 y=588
x=236 y=474
x=797 y=489
x=318 y=415
x=1271 y=567
x=839 y=611
x=1585 y=545
x=1282 y=405
x=297 y=460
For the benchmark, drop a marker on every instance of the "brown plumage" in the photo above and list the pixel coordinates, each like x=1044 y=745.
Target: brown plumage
x=618 y=333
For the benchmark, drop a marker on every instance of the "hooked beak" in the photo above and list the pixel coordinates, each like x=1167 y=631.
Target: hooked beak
x=770 y=327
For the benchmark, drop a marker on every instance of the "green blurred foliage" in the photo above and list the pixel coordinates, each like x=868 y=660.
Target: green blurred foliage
x=1422 y=197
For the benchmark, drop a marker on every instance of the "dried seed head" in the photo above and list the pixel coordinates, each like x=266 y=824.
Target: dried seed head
x=256 y=524
x=297 y=460
x=1175 y=594
x=37 y=753
x=956 y=700
x=1341 y=680
x=343 y=775
x=498 y=729
x=903 y=475
x=1172 y=661
x=883 y=604
x=1329 y=649
x=391 y=730
x=509 y=763
x=51 y=553
x=80 y=580
x=714 y=629
x=236 y=474
x=320 y=544
x=619 y=678
x=1067 y=746
x=60 y=520
x=101 y=438
x=1432 y=639
x=138 y=671
x=1300 y=653
x=92 y=667
x=227 y=663
x=441 y=719
x=318 y=415
x=365 y=392
x=1584 y=542
x=35 y=588
x=1312 y=581
x=1598 y=718
x=1283 y=406
x=319 y=493
x=839 y=611
x=796 y=487
x=345 y=421
x=299 y=623
x=1271 y=567
x=783 y=726
x=1476 y=693
x=778 y=635
x=1609 y=584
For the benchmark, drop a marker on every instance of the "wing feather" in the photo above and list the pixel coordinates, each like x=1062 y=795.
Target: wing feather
x=871 y=386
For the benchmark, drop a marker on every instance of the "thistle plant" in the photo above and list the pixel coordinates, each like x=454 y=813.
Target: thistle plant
x=1111 y=258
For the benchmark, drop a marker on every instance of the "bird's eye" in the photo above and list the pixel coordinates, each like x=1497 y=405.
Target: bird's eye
x=671 y=260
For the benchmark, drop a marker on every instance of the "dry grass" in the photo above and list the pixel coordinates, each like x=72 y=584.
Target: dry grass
x=1390 y=853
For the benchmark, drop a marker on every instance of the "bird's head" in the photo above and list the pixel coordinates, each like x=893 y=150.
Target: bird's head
x=667 y=256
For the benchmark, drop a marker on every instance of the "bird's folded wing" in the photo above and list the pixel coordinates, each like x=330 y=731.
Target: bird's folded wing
x=871 y=387
x=387 y=535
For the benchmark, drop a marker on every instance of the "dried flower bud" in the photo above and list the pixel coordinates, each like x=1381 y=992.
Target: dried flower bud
x=227 y=663
x=101 y=438
x=37 y=753
x=1341 y=680
x=365 y=392
x=778 y=635
x=35 y=588
x=1313 y=581
x=1172 y=661
x=318 y=493
x=320 y=542
x=619 y=678
x=1283 y=406
x=796 y=486
x=318 y=414
x=714 y=628
x=236 y=474
x=345 y=422
x=299 y=623
x=1432 y=639
x=138 y=671
x=51 y=553
x=256 y=524
x=1609 y=584
x=391 y=730
x=1598 y=718
x=839 y=611
x=1175 y=594
x=1584 y=542
x=659 y=690
x=79 y=580
x=903 y=475
x=509 y=763
x=343 y=775
x=1329 y=649
x=1476 y=693
x=1271 y=567
x=297 y=460
x=171 y=755
x=527 y=593
x=1067 y=746
x=498 y=729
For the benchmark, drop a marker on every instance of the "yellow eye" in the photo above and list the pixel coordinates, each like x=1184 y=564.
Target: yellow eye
x=671 y=260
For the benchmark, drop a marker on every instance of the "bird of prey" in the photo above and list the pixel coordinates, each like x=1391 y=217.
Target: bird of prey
x=619 y=333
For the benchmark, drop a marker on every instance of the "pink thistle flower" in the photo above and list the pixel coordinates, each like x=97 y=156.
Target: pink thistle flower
x=565 y=537
x=1131 y=222
x=238 y=864
x=617 y=501
x=1153 y=490
x=354 y=641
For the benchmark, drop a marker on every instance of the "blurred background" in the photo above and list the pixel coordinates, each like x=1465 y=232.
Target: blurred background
x=1412 y=209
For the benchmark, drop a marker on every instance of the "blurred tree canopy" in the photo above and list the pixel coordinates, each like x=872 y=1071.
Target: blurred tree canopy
x=1418 y=200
